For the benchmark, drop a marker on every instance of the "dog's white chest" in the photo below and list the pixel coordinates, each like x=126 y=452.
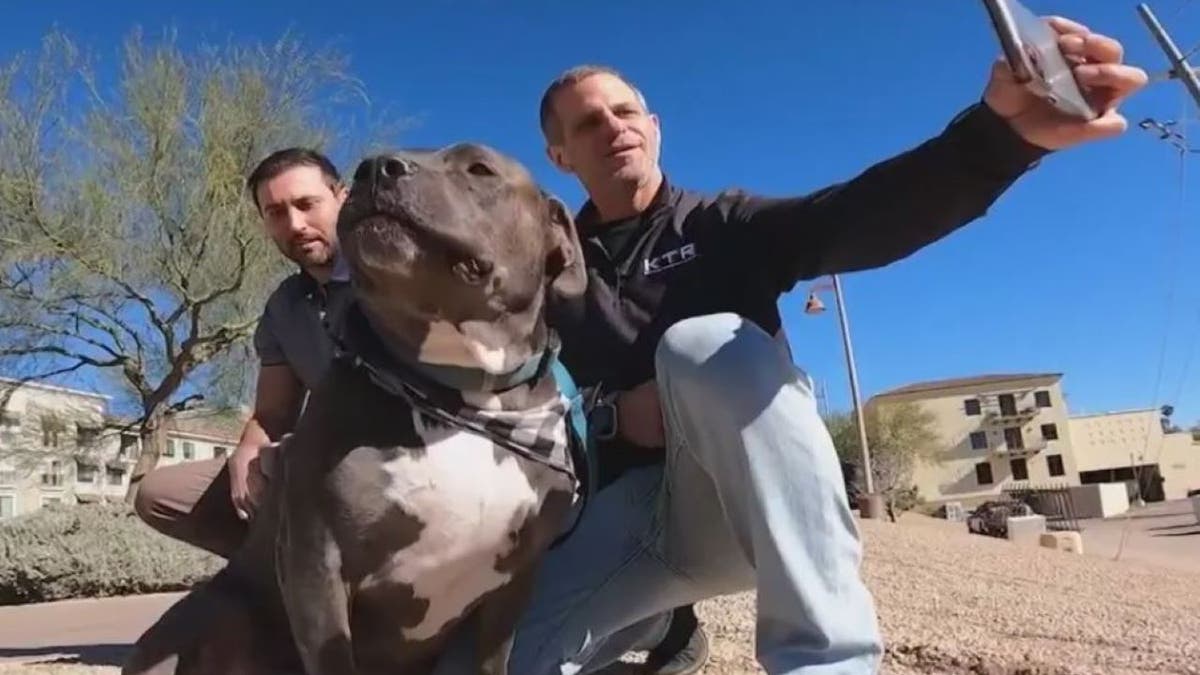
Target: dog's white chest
x=471 y=498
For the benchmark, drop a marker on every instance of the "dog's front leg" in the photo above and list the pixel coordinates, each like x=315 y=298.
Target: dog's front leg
x=308 y=563
x=499 y=615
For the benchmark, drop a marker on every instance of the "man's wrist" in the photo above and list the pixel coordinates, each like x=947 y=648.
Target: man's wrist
x=603 y=416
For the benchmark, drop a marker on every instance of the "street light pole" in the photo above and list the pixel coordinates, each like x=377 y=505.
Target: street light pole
x=858 y=411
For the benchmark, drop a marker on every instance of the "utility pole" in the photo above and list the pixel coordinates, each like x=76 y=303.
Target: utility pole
x=1180 y=68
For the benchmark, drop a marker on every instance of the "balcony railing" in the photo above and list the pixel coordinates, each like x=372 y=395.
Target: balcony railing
x=1021 y=415
x=1029 y=449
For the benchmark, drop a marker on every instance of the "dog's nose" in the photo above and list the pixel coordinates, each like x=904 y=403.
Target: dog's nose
x=384 y=169
x=392 y=168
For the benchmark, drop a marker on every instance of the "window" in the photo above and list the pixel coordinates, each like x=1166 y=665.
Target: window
x=972 y=407
x=51 y=428
x=1050 y=432
x=979 y=440
x=54 y=476
x=170 y=449
x=1008 y=405
x=189 y=450
x=220 y=451
x=85 y=473
x=1055 y=464
x=983 y=473
x=1020 y=469
x=8 y=506
x=116 y=475
x=85 y=435
x=1013 y=438
x=129 y=444
x=1041 y=399
x=8 y=475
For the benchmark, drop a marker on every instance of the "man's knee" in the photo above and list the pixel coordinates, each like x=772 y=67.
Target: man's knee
x=726 y=353
x=150 y=498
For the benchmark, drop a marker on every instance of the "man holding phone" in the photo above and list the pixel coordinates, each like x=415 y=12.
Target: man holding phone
x=727 y=478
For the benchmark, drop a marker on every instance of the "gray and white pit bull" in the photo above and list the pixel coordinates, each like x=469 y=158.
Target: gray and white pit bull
x=431 y=469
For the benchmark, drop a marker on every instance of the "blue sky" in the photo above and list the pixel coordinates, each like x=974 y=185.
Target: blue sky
x=1070 y=272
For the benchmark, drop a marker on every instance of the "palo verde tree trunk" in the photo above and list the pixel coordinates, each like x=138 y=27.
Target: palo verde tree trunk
x=153 y=440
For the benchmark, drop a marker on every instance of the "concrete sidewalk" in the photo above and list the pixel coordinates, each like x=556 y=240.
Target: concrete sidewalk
x=1165 y=534
x=86 y=632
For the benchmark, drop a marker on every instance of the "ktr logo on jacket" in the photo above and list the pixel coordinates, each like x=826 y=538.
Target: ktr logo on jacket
x=674 y=258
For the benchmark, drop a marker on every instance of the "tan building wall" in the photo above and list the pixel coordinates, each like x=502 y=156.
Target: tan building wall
x=1121 y=445
x=54 y=448
x=1180 y=464
x=995 y=432
x=189 y=447
x=43 y=431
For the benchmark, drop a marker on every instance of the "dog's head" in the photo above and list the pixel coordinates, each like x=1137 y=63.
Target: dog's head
x=454 y=252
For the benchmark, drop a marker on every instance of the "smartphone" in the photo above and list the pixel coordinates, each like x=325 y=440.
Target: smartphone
x=1030 y=45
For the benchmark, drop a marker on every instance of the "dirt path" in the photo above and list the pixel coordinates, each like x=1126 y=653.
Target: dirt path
x=948 y=603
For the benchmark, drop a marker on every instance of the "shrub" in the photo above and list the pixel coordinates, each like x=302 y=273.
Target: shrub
x=93 y=550
x=899 y=500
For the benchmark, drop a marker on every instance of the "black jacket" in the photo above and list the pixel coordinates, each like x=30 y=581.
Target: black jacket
x=735 y=252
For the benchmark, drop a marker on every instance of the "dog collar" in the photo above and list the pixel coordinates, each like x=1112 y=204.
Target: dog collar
x=429 y=391
x=354 y=340
x=477 y=379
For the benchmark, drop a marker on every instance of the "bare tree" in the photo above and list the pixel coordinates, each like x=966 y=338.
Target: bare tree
x=900 y=436
x=128 y=246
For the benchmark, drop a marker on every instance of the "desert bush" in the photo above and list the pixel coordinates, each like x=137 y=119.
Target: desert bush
x=92 y=550
x=899 y=500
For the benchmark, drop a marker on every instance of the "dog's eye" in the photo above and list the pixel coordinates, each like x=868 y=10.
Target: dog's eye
x=480 y=169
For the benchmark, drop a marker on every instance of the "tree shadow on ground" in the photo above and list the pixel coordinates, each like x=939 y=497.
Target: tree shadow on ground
x=83 y=655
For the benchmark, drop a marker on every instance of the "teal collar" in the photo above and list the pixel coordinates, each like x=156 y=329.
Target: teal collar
x=460 y=378
x=355 y=340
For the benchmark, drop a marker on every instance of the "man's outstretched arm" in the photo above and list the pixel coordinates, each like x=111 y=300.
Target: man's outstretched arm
x=909 y=201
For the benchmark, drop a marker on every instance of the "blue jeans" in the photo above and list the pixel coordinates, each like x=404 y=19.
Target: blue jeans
x=751 y=497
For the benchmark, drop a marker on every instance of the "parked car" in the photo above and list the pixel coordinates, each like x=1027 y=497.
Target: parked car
x=991 y=518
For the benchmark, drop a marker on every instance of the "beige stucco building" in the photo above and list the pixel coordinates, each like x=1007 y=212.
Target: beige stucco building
x=58 y=445
x=1132 y=447
x=52 y=446
x=994 y=431
x=1013 y=430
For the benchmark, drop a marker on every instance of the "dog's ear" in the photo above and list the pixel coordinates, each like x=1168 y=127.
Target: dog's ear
x=564 y=256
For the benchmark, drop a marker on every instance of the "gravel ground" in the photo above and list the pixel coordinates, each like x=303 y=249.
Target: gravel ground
x=956 y=604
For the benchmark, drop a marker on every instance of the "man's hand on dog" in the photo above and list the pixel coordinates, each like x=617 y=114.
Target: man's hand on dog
x=639 y=416
x=1106 y=80
x=249 y=467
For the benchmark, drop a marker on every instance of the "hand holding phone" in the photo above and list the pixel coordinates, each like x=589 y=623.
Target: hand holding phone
x=1030 y=47
x=1063 y=88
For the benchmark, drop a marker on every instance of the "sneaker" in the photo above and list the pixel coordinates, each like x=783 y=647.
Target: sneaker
x=683 y=651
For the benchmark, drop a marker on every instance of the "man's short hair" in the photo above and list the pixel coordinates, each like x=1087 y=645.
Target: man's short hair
x=551 y=125
x=289 y=158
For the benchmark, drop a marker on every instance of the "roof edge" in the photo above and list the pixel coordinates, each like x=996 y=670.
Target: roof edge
x=950 y=384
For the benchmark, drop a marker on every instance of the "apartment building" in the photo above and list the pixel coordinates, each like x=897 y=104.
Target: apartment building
x=59 y=445
x=53 y=441
x=993 y=430
x=1007 y=430
x=199 y=435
